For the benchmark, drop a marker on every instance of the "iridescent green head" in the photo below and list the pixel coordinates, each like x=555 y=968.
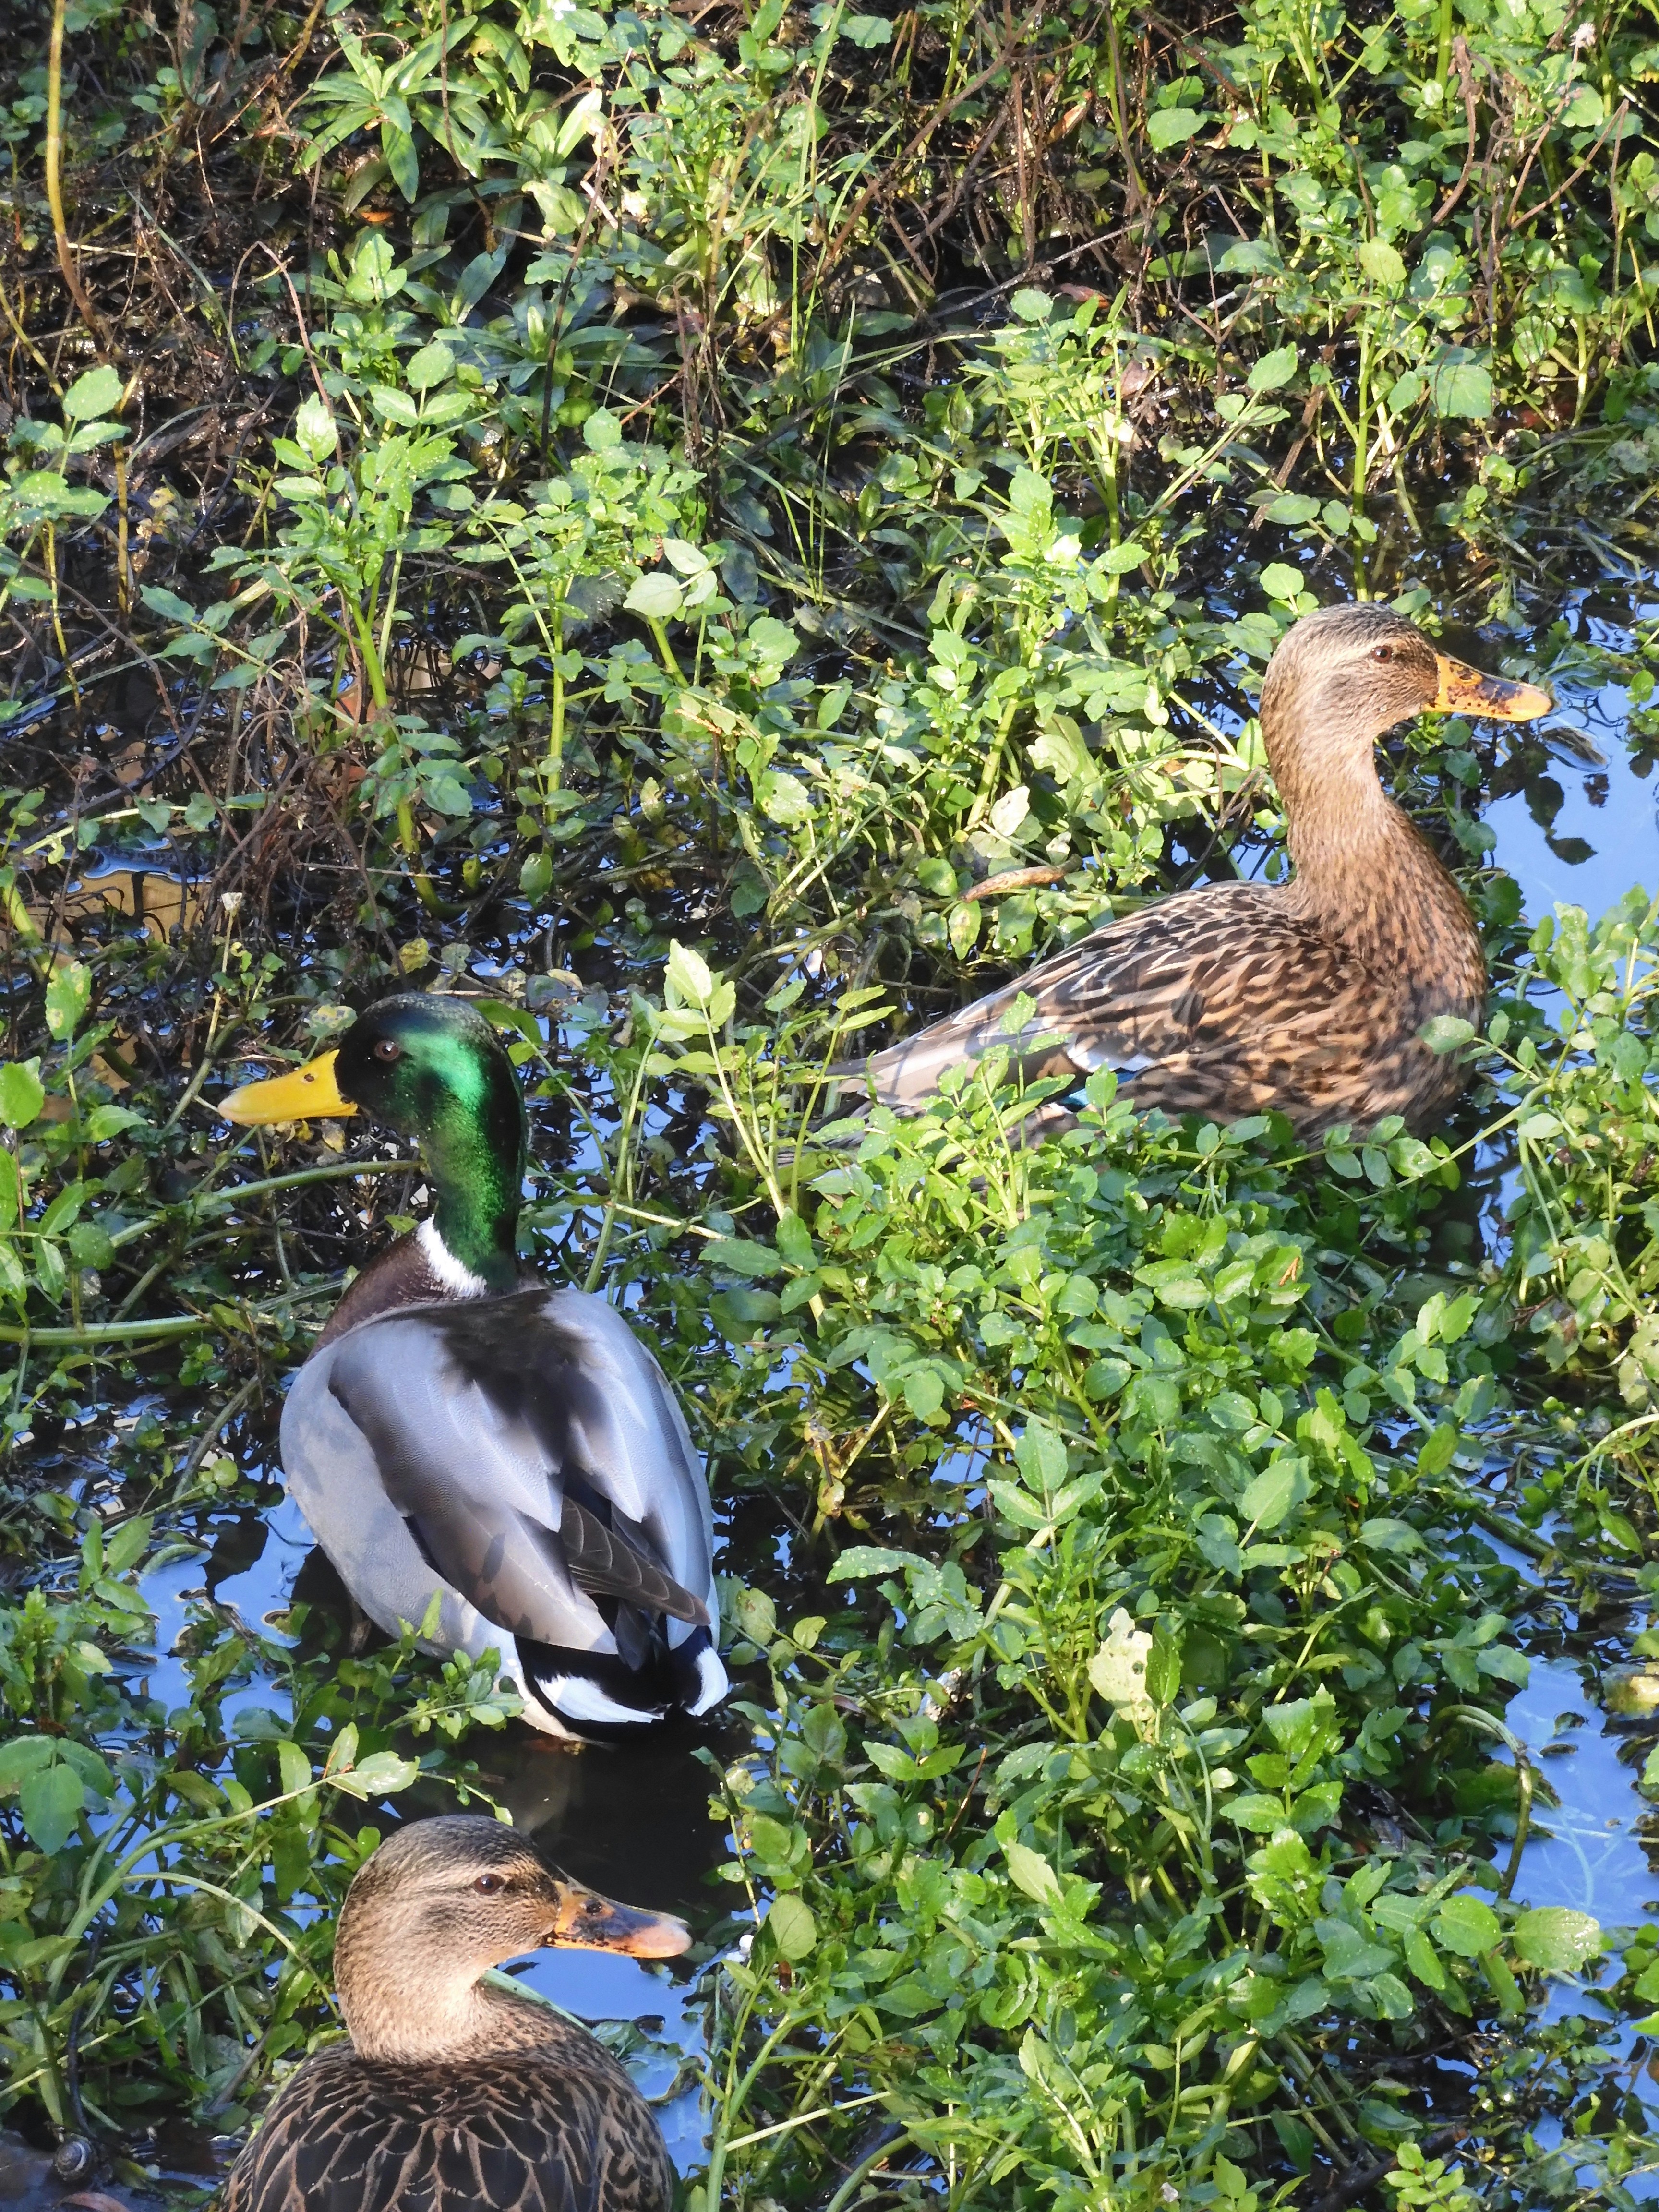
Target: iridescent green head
x=434 y=1070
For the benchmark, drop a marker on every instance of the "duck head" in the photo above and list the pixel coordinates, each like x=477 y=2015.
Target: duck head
x=1339 y=678
x=432 y=1069
x=439 y=1904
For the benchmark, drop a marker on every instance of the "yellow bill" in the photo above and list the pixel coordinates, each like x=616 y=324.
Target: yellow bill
x=305 y=1094
x=1465 y=690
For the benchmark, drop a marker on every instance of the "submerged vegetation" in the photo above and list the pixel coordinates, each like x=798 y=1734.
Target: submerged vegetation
x=716 y=531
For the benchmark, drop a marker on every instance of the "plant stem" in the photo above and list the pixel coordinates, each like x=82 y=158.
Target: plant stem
x=54 y=156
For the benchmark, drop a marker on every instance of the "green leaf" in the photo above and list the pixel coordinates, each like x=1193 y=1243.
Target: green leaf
x=392 y=406
x=1163 y=1668
x=1385 y=1535
x=1263 y=1816
x=689 y=983
x=1446 y=1032
x=67 y=996
x=859 y=1560
x=22 y=1094
x=50 y=1802
x=964 y=928
x=1556 y=1938
x=401 y=159
x=314 y=427
x=1424 y=1960
x=382 y=1774
x=1272 y=370
x=784 y=798
x=22 y=1756
x=93 y=394
x=1032 y=1873
x=1040 y=1455
x=739 y=1314
x=1382 y=262
x=1118 y=560
x=1268 y=1496
x=657 y=597
x=433 y=364
x=293 y=1766
x=742 y=1256
x=1280 y=581
x=1463 y=1924
x=1168 y=126
x=1248 y=257
x=1461 y=388
x=772 y=641
x=790 y=1923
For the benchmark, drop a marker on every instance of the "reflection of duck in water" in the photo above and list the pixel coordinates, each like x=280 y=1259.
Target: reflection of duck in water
x=464 y=1432
x=1309 y=996
x=452 y=2095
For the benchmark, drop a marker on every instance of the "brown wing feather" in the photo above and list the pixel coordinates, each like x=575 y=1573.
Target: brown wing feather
x=550 y=2130
x=1205 y=971
x=1222 y=1001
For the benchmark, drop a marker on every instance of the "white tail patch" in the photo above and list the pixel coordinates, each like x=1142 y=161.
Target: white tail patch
x=574 y=1698
x=711 y=1682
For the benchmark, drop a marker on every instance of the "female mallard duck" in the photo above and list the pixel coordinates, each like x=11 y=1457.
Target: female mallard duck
x=451 y=2095
x=1309 y=996
x=463 y=1431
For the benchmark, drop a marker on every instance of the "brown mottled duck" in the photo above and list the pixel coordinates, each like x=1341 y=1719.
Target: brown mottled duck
x=452 y=2095
x=1310 y=996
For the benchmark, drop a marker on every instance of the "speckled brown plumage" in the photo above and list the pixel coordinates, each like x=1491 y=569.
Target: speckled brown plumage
x=553 y=2128
x=454 y=2097
x=1309 y=996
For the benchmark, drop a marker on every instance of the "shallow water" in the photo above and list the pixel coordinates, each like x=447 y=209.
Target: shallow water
x=634 y=1821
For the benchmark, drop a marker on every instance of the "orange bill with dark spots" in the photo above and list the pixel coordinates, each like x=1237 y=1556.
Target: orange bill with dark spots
x=305 y=1094
x=1465 y=690
x=587 y=1922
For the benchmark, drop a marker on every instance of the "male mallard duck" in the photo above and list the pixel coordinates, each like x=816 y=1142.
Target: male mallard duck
x=1309 y=996
x=465 y=1432
x=452 y=2095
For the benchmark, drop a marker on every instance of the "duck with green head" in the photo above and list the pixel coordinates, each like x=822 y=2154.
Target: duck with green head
x=465 y=1432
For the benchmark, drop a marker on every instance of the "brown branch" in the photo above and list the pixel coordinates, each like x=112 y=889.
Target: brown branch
x=1534 y=149
x=1465 y=78
x=1611 y=122
x=54 y=152
x=1360 y=2181
x=1011 y=879
x=1003 y=60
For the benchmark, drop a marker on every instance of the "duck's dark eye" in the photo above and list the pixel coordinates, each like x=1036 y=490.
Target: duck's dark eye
x=1378 y=652
x=487 y=1884
x=383 y=1048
